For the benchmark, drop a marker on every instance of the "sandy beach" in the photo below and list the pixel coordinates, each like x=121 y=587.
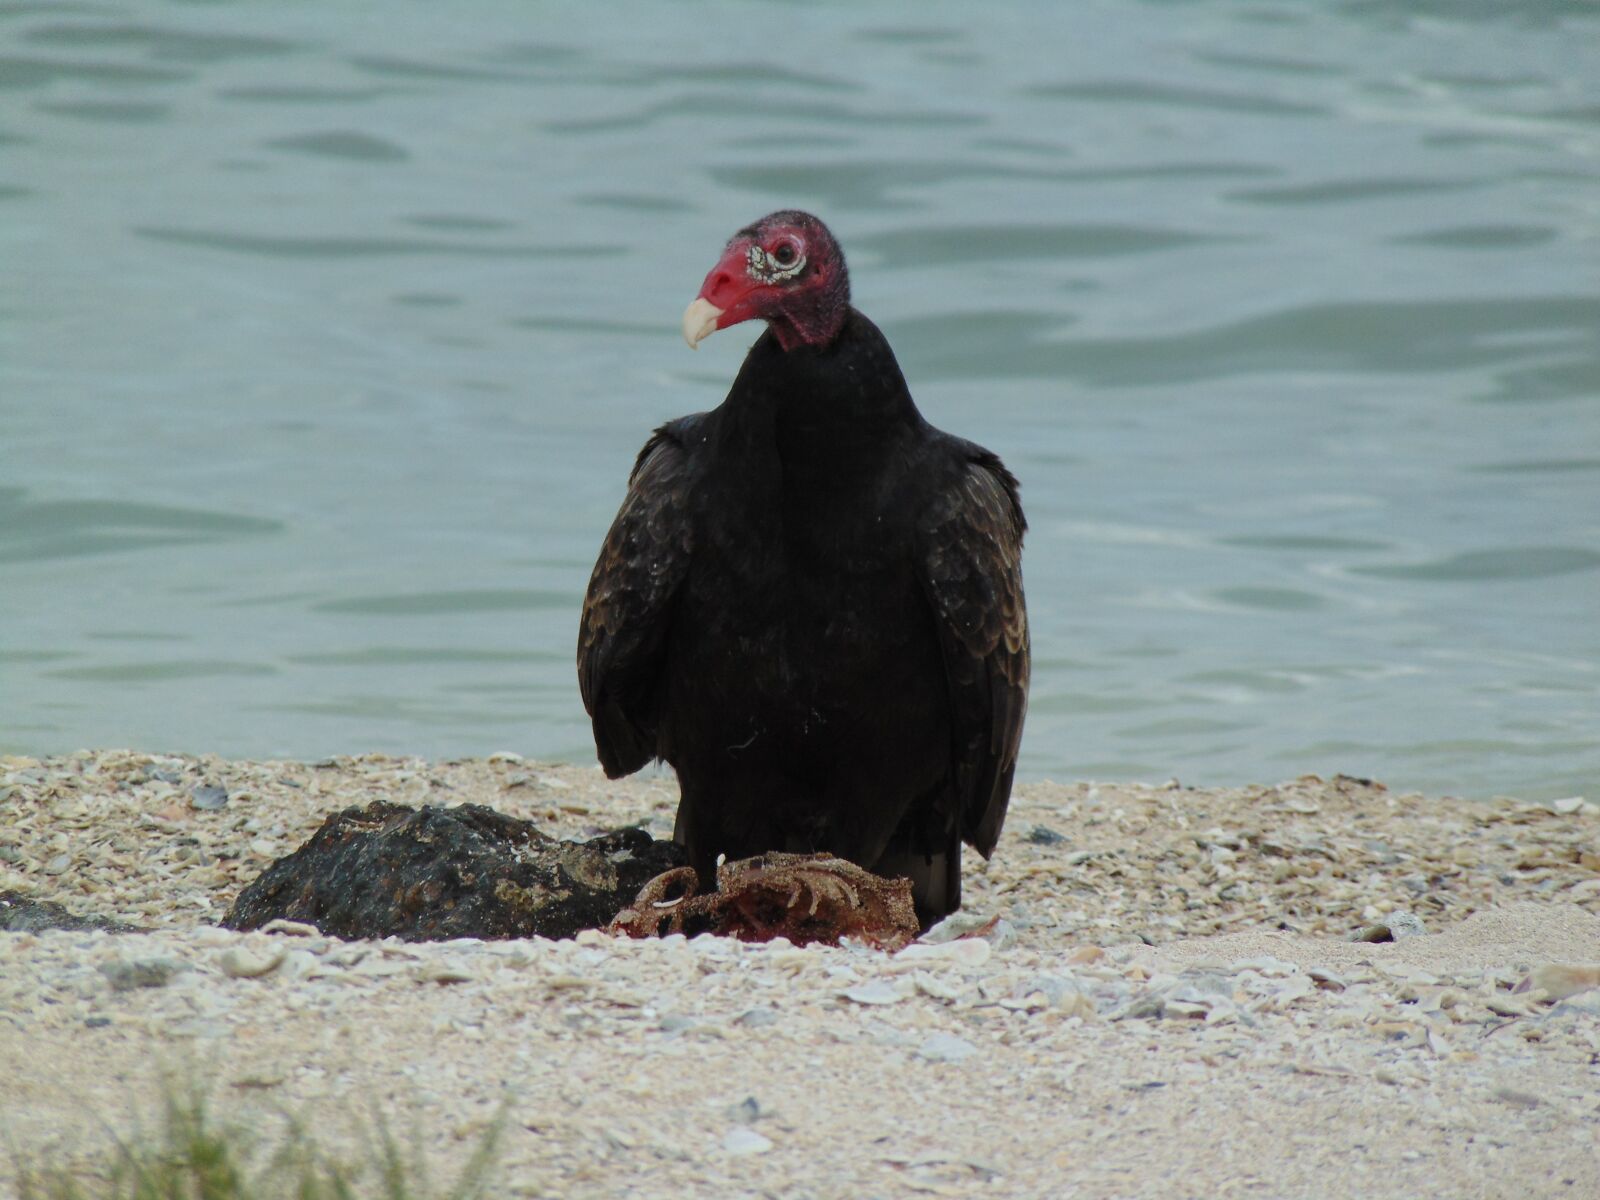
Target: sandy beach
x=1169 y=1003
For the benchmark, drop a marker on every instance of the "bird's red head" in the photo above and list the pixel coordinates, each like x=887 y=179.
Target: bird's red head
x=786 y=270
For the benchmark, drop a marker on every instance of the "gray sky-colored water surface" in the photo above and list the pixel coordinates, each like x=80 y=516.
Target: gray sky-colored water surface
x=328 y=333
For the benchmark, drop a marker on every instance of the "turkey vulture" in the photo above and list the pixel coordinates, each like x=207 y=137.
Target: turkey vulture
x=810 y=603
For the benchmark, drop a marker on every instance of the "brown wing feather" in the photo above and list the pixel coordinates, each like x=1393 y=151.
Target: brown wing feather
x=628 y=607
x=972 y=569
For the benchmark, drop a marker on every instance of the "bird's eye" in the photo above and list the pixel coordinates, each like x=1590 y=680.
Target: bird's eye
x=784 y=255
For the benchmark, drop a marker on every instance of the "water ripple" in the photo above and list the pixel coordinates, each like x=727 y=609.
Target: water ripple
x=767 y=112
x=1508 y=565
x=909 y=35
x=871 y=183
x=408 y=711
x=1386 y=336
x=635 y=202
x=342 y=143
x=21 y=73
x=405 y=68
x=34 y=531
x=114 y=112
x=411 y=656
x=1135 y=91
x=358 y=247
x=950 y=244
x=1308 y=542
x=1402 y=14
x=303 y=94
x=599 y=326
x=458 y=223
x=1480 y=237
x=173 y=45
x=1265 y=62
x=1346 y=191
x=1566 y=379
x=742 y=76
x=1270 y=599
x=1541 y=466
x=160 y=671
x=419 y=604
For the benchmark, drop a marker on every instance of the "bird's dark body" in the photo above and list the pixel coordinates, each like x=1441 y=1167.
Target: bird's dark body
x=778 y=614
x=802 y=625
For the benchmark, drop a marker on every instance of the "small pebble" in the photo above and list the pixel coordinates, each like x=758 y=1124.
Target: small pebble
x=744 y=1140
x=946 y=1047
x=956 y=925
x=1519 y=1098
x=1392 y=928
x=267 y=1077
x=1327 y=980
x=967 y=952
x=126 y=974
x=298 y=963
x=291 y=928
x=937 y=986
x=208 y=797
x=247 y=962
x=876 y=992
x=444 y=970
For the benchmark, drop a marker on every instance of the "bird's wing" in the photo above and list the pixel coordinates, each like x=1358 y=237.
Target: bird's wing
x=628 y=608
x=971 y=564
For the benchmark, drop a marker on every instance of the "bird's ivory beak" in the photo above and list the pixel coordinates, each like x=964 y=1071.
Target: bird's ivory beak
x=700 y=321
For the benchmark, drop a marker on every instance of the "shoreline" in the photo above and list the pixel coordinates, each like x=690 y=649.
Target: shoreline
x=1170 y=993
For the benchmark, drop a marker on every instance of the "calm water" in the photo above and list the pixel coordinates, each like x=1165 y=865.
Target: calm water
x=329 y=332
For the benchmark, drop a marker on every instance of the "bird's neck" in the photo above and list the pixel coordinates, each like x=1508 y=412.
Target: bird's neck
x=835 y=403
x=808 y=438
x=813 y=319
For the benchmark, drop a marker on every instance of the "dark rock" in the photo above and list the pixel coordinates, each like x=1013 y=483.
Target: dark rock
x=1043 y=835
x=18 y=914
x=427 y=875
